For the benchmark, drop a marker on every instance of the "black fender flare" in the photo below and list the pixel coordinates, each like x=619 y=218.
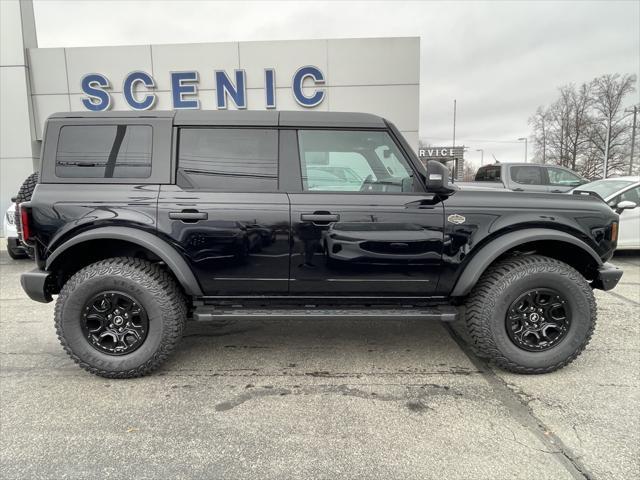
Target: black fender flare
x=161 y=248
x=489 y=252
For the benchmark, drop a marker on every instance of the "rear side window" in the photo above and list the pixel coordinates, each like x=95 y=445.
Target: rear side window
x=228 y=159
x=526 y=175
x=488 y=174
x=104 y=151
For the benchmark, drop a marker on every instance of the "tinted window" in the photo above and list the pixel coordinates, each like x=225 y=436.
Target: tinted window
x=526 y=175
x=488 y=174
x=559 y=176
x=352 y=161
x=227 y=159
x=104 y=151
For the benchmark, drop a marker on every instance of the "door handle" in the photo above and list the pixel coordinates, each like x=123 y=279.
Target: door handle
x=556 y=191
x=188 y=216
x=518 y=189
x=319 y=217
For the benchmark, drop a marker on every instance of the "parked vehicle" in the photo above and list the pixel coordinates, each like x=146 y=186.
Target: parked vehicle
x=525 y=177
x=622 y=194
x=15 y=248
x=142 y=220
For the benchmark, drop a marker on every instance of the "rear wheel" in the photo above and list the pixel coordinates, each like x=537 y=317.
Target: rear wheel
x=531 y=314
x=121 y=317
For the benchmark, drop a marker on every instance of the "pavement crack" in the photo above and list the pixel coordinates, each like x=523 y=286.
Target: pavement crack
x=521 y=411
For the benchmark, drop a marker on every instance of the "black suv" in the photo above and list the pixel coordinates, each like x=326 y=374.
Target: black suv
x=141 y=221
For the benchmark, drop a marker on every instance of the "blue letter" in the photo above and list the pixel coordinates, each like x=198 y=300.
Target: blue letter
x=224 y=87
x=129 y=85
x=270 y=87
x=298 y=80
x=178 y=89
x=92 y=85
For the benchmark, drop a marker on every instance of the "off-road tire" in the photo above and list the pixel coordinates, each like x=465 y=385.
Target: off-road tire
x=24 y=195
x=500 y=285
x=151 y=286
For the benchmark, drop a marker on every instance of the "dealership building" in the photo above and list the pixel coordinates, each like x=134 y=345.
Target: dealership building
x=374 y=75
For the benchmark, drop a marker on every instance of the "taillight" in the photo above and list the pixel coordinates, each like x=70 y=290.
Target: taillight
x=614 y=232
x=24 y=224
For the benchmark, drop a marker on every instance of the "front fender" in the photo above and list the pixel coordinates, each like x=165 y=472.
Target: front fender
x=169 y=255
x=492 y=250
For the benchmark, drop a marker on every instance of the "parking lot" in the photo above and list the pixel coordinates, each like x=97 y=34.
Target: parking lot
x=320 y=399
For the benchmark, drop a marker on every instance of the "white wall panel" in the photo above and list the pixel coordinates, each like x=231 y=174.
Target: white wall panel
x=15 y=133
x=48 y=71
x=11 y=44
x=113 y=62
x=285 y=57
x=204 y=58
x=45 y=105
x=398 y=103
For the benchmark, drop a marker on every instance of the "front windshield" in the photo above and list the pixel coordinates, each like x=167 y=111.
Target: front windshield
x=605 y=188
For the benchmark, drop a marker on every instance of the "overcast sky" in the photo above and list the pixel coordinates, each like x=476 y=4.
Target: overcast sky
x=500 y=60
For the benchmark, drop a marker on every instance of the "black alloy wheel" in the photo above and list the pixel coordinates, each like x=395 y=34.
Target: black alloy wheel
x=114 y=323
x=538 y=319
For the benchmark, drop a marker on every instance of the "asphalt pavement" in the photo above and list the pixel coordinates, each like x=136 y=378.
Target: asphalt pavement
x=282 y=398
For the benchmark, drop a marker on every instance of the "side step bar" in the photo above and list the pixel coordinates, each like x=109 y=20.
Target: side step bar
x=443 y=313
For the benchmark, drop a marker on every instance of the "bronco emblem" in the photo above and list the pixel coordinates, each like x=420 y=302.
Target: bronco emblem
x=455 y=218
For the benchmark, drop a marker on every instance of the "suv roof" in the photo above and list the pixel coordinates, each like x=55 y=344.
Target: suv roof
x=245 y=117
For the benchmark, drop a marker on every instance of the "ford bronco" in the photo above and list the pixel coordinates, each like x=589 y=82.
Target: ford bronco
x=141 y=221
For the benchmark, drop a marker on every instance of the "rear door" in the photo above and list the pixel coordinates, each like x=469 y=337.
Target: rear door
x=362 y=222
x=527 y=178
x=226 y=213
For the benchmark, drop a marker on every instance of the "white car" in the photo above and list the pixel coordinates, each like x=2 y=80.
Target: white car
x=15 y=248
x=623 y=195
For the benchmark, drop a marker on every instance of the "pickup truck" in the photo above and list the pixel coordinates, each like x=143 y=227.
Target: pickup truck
x=525 y=177
x=142 y=221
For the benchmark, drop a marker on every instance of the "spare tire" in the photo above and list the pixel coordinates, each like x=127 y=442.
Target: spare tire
x=24 y=195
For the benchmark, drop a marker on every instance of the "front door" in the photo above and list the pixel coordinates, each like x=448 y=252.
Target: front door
x=225 y=213
x=362 y=223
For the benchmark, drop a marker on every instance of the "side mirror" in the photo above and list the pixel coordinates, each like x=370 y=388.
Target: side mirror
x=625 y=205
x=438 y=178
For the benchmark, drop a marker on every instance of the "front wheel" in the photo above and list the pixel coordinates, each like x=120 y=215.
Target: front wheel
x=121 y=317
x=531 y=314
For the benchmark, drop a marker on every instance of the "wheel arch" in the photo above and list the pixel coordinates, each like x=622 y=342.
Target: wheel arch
x=104 y=242
x=552 y=243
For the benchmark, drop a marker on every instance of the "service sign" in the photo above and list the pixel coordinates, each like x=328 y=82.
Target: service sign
x=441 y=153
x=138 y=89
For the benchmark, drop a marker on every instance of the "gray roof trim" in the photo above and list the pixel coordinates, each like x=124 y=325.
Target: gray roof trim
x=330 y=119
x=258 y=118
x=116 y=114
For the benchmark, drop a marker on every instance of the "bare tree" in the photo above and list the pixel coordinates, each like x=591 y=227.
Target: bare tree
x=610 y=132
x=584 y=125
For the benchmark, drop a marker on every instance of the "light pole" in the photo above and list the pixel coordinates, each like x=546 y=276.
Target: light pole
x=525 y=147
x=481 y=155
x=634 y=109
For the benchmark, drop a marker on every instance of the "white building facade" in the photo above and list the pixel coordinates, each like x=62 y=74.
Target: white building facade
x=373 y=75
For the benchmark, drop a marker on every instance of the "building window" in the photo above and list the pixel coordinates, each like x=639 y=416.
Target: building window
x=104 y=151
x=228 y=159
